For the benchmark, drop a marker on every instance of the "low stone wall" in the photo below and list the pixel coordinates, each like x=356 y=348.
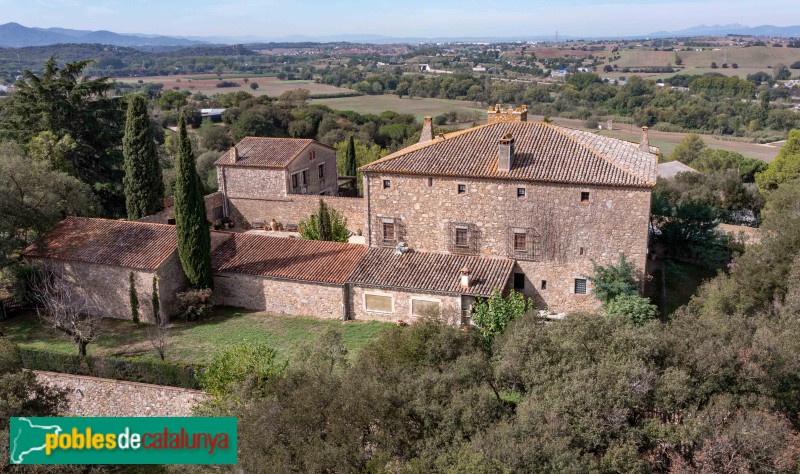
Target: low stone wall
x=213 y=204
x=296 y=207
x=91 y=396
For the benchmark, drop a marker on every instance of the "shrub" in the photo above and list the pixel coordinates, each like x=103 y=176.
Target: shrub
x=144 y=371
x=613 y=281
x=10 y=359
x=637 y=309
x=492 y=315
x=24 y=278
x=227 y=84
x=194 y=305
x=256 y=362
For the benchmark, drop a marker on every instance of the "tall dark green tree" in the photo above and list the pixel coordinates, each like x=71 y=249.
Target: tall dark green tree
x=351 y=164
x=194 y=237
x=325 y=227
x=134 y=299
x=63 y=101
x=144 y=185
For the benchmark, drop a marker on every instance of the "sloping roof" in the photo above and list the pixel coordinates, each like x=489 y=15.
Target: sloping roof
x=543 y=152
x=671 y=169
x=265 y=152
x=430 y=271
x=290 y=259
x=137 y=245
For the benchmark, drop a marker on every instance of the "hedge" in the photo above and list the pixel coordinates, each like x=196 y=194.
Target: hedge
x=145 y=371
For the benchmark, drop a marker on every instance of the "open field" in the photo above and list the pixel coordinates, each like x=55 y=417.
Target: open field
x=196 y=342
x=418 y=106
x=207 y=84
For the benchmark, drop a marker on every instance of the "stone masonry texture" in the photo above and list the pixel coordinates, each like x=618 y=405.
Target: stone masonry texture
x=293 y=209
x=567 y=233
x=91 y=396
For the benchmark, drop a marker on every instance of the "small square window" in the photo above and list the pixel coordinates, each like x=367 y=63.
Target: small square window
x=388 y=231
x=520 y=242
x=544 y=284
x=520 y=192
x=430 y=182
x=519 y=281
x=387 y=184
x=462 y=188
x=580 y=286
x=585 y=196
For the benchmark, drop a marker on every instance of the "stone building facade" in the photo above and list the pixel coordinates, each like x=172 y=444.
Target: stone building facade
x=554 y=200
x=290 y=210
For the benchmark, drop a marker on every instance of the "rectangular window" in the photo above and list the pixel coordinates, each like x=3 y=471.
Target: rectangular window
x=580 y=286
x=305 y=177
x=519 y=281
x=378 y=303
x=430 y=182
x=585 y=196
x=388 y=232
x=581 y=251
x=295 y=180
x=321 y=171
x=311 y=155
x=387 y=184
x=421 y=307
x=544 y=284
x=462 y=188
x=462 y=237
x=520 y=192
x=520 y=242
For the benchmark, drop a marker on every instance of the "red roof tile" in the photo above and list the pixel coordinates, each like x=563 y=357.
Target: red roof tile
x=291 y=259
x=265 y=152
x=543 y=152
x=138 y=245
x=430 y=271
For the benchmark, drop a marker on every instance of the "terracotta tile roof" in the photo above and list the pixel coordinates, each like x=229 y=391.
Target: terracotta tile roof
x=543 y=152
x=291 y=259
x=430 y=271
x=671 y=169
x=265 y=152
x=137 y=245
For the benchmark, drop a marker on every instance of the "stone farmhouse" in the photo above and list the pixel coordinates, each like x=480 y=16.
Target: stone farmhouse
x=508 y=205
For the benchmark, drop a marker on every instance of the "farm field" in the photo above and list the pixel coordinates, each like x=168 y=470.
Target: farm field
x=207 y=84
x=418 y=106
x=197 y=342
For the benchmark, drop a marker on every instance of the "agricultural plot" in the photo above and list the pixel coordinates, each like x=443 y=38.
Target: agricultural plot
x=419 y=107
x=207 y=84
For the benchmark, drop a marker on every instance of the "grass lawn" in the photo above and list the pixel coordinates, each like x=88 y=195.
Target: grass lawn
x=196 y=342
x=418 y=106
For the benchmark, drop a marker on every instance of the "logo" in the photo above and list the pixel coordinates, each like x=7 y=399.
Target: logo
x=190 y=440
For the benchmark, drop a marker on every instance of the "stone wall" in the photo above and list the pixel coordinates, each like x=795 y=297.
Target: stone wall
x=279 y=296
x=296 y=207
x=323 y=156
x=213 y=203
x=106 y=288
x=450 y=305
x=565 y=234
x=91 y=396
x=251 y=182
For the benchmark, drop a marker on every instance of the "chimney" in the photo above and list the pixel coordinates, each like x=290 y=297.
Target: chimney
x=427 y=130
x=645 y=144
x=235 y=153
x=497 y=114
x=505 y=153
x=465 y=280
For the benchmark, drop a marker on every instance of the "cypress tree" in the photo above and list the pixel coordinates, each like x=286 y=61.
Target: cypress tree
x=324 y=222
x=194 y=237
x=156 y=301
x=134 y=300
x=144 y=186
x=351 y=164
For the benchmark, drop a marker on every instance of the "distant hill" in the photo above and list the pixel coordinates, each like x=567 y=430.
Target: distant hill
x=734 y=29
x=14 y=35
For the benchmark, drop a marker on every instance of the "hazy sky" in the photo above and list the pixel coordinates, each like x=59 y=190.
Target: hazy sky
x=428 y=18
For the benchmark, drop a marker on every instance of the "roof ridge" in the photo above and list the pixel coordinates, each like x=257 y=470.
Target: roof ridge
x=117 y=221
x=603 y=156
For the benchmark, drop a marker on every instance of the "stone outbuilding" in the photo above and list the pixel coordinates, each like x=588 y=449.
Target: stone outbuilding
x=98 y=256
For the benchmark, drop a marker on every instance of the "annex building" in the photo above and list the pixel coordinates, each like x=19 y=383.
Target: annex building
x=508 y=205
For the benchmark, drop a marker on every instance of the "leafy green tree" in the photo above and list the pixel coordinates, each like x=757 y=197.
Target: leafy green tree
x=64 y=102
x=56 y=151
x=688 y=149
x=612 y=281
x=365 y=154
x=254 y=363
x=143 y=182
x=638 y=309
x=689 y=231
x=493 y=314
x=325 y=224
x=785 y=167
x=711 y=160
x=134 y=299
x=33 y=198
x=194 y=237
